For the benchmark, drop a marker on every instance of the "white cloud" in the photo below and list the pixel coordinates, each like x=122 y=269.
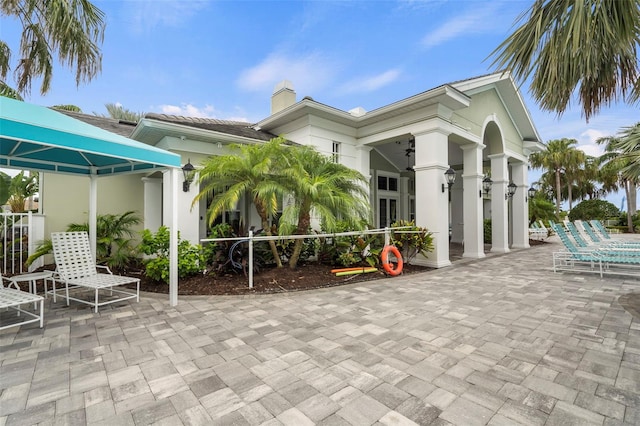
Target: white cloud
x=308 y=73
x=480 y=19
x=190 y=110
x=372 y=83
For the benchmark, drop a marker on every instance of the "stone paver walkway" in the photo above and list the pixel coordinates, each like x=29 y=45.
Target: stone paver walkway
x=499 y=341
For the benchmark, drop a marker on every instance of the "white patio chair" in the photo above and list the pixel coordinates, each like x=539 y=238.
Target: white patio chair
x=14 y=298
x=77 y=270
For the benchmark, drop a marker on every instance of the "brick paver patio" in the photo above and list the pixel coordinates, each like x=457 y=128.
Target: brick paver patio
x=499 y=341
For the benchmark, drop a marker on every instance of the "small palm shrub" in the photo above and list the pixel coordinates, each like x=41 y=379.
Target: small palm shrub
x=114 y=240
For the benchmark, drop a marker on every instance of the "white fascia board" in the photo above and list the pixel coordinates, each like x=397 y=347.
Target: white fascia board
x=489 y=82
x=171 y=129
x=446 y=95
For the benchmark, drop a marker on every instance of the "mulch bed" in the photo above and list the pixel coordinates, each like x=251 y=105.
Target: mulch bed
x=272 y=280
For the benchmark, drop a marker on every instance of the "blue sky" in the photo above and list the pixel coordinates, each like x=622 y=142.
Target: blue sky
x=222 y=59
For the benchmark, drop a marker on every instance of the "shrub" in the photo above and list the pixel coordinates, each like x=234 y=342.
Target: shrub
x=593 y=209
x=411 y=240
x=487 y=231
x=190 y=257
x=350 y=250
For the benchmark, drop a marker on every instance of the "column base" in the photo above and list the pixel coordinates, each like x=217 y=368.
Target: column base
x=431 y=263
x=474 y=255
x=500 y=250
x=521 y=246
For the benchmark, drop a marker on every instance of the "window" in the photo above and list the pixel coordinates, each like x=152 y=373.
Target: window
x=386 y=183
x=336 y=152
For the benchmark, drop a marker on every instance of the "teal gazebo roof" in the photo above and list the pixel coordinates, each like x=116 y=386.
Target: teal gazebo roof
x=38 y=138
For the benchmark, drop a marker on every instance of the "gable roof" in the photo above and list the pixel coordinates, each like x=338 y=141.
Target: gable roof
x=235 y=128
x=119 y=127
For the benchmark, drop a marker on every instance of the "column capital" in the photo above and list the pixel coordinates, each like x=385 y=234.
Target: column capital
x=470 y=146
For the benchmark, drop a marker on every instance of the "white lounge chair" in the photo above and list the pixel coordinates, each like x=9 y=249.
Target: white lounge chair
x=14 y=298
x=77 y=270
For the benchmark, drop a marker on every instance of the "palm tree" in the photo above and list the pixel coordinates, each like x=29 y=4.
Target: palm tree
x=249 y=169
x=573 y=170
x=559 y=155
x=330 y=190
x=68 y=107
x=588 y=46
x=622 y=165
x=114 y=239
x=21 y=188
x=69 y=29
x=119 y=112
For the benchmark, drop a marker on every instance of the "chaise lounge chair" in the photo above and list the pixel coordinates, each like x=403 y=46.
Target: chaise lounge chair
x=77 y=271
x=601 y=261
x=14 y=298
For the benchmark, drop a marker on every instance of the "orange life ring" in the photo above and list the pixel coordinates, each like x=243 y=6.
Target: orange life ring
x=388 y=266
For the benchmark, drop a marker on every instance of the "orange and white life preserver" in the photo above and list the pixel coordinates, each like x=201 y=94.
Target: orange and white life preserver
x=388 y=266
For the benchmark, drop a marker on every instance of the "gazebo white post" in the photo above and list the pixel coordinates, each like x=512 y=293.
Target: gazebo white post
x=93 y=211
x=173 y=239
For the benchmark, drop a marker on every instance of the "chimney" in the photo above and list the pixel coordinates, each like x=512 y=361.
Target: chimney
x=283 y=96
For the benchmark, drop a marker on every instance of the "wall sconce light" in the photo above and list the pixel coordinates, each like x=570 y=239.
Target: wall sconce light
x=450 y=176
x=531 y=192
x=486 y=185
x=511 y=189
x=187 y=171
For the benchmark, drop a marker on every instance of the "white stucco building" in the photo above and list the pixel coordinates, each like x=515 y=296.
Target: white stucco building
x=478 y=127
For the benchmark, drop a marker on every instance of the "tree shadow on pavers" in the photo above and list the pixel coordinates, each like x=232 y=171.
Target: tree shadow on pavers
x=631 y=303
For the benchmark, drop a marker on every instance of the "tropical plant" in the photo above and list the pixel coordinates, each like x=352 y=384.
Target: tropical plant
x=20 y=189
x=330 y=190
x=249 y=169
x=5 y=183
x=69 y=107
x=540 y=208
x=559 y=156
x=9 y=92
x=118 y=112
x=588 y=46
x=350 y=250
x=190 y=257
x=411 y=239
x=69 y=29
x=616 y=171
x=114 y=240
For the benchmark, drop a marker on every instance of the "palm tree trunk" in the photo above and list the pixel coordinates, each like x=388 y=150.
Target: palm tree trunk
x=262 y=212
x=558 y=193
x=304 y=221
x=627 y=189
x=633 y=207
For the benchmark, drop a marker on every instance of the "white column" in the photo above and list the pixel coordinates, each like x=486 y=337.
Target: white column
x=456 y=214
x=499 y=211
x=432 y=203
x=404 y=198
x=473 y=216
x=152 y=203
x=93 y=212
x=188 y=218
x=520 y=206
x=363 y=160
x=173 y=236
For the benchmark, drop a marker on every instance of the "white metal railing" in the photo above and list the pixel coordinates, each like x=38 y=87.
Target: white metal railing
x=251 y=238
x=15 y=232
